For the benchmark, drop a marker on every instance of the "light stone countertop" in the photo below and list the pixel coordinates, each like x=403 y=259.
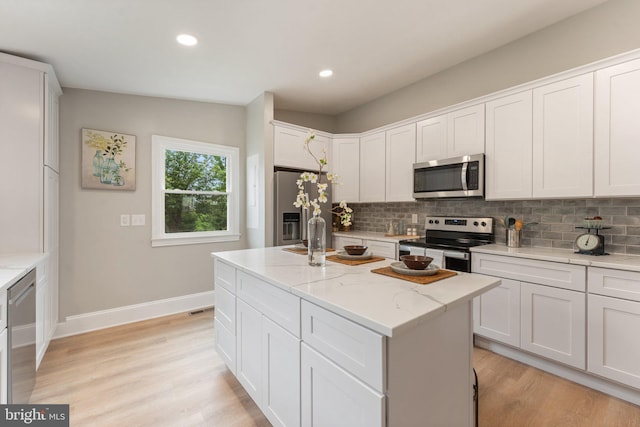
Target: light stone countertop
x=14 y=266
x=381 y=303
x=567 y=256
x=374 y=236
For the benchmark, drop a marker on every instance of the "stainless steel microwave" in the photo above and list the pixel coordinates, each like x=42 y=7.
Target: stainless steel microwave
x=455 y=177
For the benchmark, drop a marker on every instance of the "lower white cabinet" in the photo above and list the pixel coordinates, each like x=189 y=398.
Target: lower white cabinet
x=496 y=313
x=614 y=347
x=376 y=247
x=553 y=323
x=333 y=397
x=340 y=242
x=248 y=352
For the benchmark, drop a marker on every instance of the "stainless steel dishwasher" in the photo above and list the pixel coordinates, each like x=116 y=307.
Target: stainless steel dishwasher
x=21 y=323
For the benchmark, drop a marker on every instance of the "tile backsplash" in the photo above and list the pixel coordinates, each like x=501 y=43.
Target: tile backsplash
x=557 y=219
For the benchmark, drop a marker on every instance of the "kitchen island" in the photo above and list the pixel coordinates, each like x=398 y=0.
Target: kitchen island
x=342 y=346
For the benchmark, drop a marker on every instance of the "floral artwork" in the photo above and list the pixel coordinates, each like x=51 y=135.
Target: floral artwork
x=108 y=160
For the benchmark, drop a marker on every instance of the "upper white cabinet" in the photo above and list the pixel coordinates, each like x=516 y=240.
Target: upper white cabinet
x=457 y=133
x=617 y=130
x=373 y=167
x=508 y=157
x=563 y=138
x=289 y=151
x=346 y=164
x=400 y=157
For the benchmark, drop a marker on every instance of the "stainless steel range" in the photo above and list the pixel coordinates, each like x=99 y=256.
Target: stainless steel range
x=448 y=240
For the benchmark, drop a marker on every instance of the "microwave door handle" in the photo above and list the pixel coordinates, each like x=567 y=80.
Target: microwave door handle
x=463 y=176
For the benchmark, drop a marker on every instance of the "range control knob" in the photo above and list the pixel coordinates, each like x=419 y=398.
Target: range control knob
x=484 y=224
x=430 y=221
x=437 y=221
x=475 y=223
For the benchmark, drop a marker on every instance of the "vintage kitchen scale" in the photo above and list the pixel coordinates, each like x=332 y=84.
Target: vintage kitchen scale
x=591 y=243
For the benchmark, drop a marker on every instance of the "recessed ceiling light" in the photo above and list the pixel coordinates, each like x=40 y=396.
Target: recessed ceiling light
x=187 y=40
x=326 y=73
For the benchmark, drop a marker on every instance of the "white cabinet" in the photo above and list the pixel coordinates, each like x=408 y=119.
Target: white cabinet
x=376 y=247
x=400 y=157
x=508 y=156
x=4 y=372
x=457 y=133
x=613 y=325
x=289 y=151
x=225 y=313
x=496 y=313
x=280 y=375
x=373 y=168
x=340 y=242
x=563 y=138
x=333 y=397
x=346 y=164
x=44 y=328
x=249 y=350
x=614 y=348
x=551 y=299
x=553 y=323
x=617 y=130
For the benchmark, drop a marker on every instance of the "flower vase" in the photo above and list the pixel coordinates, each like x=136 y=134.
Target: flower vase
x=109 y=170
x=317 y=245
x=97 y=163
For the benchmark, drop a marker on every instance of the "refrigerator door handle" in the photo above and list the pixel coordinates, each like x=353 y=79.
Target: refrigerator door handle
x=303 y=223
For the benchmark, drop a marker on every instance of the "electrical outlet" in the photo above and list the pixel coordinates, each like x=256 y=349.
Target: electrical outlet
x=137 y=219
x=125 y=220
x=414 y=218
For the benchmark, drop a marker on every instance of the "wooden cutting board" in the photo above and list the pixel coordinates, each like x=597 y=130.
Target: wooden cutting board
x=421 y=280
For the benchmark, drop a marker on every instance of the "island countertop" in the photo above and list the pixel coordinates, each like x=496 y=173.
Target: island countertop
x=384 y=304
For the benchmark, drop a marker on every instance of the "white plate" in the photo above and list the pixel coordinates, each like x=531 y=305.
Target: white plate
x=400 y=268
x=344 y=255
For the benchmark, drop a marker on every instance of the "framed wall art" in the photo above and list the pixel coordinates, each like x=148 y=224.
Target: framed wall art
x=108 y=160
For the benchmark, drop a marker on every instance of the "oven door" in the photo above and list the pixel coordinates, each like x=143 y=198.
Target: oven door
x=457 y=261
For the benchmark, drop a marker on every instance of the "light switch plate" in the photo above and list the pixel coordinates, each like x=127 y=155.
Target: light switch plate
x=124 y=220
x=137 y=219
x=414 y=218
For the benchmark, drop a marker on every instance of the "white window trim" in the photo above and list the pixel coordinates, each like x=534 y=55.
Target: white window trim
x=159 y=145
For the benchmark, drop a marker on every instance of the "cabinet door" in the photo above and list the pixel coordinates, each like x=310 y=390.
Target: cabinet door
x=346 y=164
x=333 y=397
x=563 y=138
x=431 y=139
x=340 y=242
x=553 y=323
x=248 y=350
x=614 y=348
x=496 y=313
x=372 y=168
x=51 y=210
x=288 y=149
x=465 y=131
x=400 y=157
x=225 y=343
x=51 y=145
x=617 y=130
x=280 y=375
x=384 y=249
x=509 y=147
x=4 y=385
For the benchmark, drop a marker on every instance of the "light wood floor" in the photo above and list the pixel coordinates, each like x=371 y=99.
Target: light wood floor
x=165 y=372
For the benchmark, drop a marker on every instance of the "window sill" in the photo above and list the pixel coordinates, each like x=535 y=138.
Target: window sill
x=192 y=240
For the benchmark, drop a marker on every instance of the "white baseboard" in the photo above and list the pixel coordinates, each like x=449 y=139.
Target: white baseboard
x=96 y=320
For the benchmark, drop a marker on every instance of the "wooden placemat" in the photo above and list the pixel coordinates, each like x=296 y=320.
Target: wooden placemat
x=304 y=251
x=421 y=280
x=335 y=258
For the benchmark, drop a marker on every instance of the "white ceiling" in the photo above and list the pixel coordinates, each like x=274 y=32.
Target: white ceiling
x=251 y=46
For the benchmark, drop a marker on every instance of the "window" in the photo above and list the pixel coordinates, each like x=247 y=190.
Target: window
x=194 y=192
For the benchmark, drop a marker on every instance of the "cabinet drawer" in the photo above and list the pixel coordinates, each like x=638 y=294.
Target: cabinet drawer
x=225 y=309
x=559 y=275
x=278 y=305
x=225 y=276
x=614 y=283
x=385 y=249
x=340 y=242
x=354 y=347
x=225 y=345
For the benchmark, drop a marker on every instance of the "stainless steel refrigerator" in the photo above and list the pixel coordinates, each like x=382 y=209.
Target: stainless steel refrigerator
x=291 y=222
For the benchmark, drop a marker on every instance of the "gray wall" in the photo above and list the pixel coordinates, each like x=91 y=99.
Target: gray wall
x=322 y=122
x=103 y=265
x=603 y=31
x=557 y=219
